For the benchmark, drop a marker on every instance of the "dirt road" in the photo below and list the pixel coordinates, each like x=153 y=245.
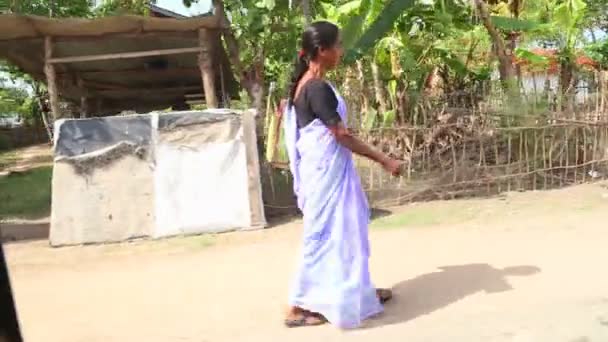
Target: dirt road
x=525 y=268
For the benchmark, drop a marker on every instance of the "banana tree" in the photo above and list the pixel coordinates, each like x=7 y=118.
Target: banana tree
x=404 y=41
x=568 y=17
x=383 y=21
x=353 y=16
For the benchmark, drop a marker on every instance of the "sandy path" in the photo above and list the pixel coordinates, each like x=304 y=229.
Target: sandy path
x=531 y=268
x=27 y=158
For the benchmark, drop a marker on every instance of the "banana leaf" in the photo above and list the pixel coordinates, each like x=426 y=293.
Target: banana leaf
x=378 y=28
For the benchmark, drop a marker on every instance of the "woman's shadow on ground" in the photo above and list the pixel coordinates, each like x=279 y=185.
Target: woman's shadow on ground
x=430 y=292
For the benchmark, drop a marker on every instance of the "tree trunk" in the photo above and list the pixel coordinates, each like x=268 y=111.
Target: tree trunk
x=403 y=104
x=232 y=45
x=361 y=78
x=378 y=88
x=566 y=84
x=43 y=111
x=252 y=80
x=512 y=47
x=507 y=72
x=593 y=37
x=205 y=63
x=51 y=79
x=349 y=92
x=306 y=11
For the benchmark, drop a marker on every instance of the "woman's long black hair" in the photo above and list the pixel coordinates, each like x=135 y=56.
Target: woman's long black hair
x=321 y=34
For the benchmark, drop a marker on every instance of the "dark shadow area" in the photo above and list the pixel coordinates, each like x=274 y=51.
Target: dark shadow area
x=277 y=218
x=9 y=324
x=280 y=219
x=379 y=213
x=433 y=291
x=13 y=232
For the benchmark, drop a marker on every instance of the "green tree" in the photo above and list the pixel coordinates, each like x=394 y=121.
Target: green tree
x=51 y=8
x=596 y=18
x=598 y=51
x=17 y=101
x=123 y=7
x=262 y=42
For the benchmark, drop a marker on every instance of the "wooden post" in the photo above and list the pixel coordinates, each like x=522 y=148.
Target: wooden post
x=205 y=62
x=84 y=107
x=51 y=79
x=225 y=100
x=84 y=100
x=258 y=219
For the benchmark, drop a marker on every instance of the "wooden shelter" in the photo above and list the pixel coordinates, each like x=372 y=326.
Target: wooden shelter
x=112 y=64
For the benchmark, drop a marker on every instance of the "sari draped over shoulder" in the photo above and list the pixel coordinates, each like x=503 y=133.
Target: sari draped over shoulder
x=333 y=276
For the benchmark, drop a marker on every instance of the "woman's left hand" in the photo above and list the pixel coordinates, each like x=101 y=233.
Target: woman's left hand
x=393 y=166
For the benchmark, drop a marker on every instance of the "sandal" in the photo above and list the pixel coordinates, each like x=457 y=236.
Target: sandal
x=305 y=319
x=384 y=295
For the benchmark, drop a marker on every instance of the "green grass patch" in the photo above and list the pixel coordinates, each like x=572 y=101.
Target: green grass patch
x=194 y=242
x=26 y=195
x=8 y=159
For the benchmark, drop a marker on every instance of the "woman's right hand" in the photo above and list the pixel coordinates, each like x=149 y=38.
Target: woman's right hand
x=392 y=166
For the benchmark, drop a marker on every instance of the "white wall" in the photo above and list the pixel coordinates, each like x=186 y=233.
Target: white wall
x=529 y=82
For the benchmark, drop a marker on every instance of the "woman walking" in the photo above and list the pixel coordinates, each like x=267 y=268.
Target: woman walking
x=333 y=282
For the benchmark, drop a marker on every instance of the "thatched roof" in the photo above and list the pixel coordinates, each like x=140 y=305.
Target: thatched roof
x=142 y=83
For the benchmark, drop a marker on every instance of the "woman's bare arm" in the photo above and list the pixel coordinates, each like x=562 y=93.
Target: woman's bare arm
x=346 y=139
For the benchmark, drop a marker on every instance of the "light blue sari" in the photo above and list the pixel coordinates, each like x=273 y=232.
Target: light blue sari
x=333 y=277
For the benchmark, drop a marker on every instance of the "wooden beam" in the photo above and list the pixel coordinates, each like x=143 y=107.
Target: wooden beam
x=194 y=96
x=205 y=61
x=195 y=102
x=158 y=34
x=103 y=85
x=137 y=72
x=123 y=55
x=188 y=35
x=174 y=35
x=138 y=92
x=51 y=78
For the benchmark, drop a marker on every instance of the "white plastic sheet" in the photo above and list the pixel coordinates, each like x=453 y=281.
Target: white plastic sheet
x=201 y=190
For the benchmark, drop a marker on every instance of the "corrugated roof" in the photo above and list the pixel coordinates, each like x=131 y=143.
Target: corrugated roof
x=143 y=83
x=164 y=11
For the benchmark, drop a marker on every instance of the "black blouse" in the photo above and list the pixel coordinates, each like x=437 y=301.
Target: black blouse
x=317 y=100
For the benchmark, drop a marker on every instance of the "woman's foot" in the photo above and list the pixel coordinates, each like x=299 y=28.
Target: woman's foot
x=297 y=317
x=384 y=295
